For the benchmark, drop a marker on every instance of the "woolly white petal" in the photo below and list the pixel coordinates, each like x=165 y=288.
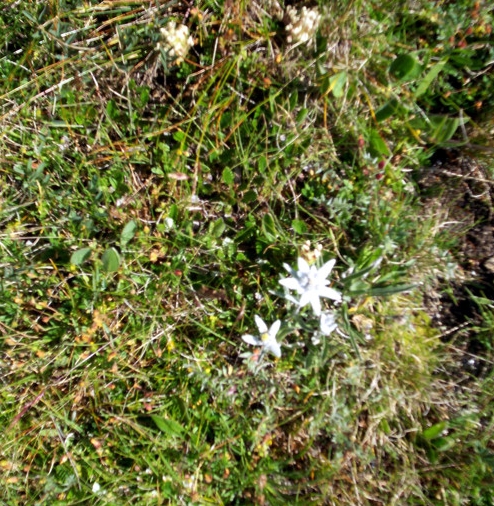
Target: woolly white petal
x=306 y=298
x=327 y=323
x=288 y=268
x=292 y=299
x=303 y=266
x=252 y=340
x=260 y=324
x=274 y=348
x=274 y=328
x=316 y=304
x=290 y=283
x=326 y=269
x=329 y=293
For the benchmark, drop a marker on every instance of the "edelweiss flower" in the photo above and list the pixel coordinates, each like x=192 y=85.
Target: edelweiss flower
x=311 y=283
x=267 y=339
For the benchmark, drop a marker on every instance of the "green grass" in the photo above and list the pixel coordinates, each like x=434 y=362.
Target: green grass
x=147 y=209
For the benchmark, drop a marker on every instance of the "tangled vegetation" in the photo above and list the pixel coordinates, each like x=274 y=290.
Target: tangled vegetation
x=163 y=165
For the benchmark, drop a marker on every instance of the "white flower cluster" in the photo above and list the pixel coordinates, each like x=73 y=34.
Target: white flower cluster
x=176 y=40
x=310 y=283
x=302 y=26
x=309 y=253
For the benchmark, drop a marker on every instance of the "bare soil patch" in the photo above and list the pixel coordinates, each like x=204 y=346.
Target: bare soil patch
x=460 y=185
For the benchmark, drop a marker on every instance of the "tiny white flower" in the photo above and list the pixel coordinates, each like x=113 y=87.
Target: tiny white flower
x=176 y=40
x=327 y=323
x=316 y=339
x=96 y=487
x=267 y=338
x=169 y=223
x=303 y=25
x=311 y=283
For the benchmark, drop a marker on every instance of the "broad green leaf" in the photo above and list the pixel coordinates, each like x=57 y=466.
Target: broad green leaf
x=167 y=425
x=80 y=256
x=430 y=76
x=404 y=67
x=110 y=260
x=128 y=232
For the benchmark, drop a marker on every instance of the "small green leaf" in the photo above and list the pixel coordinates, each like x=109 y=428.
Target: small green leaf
x=405 y=67
x=173 y=212
x=384 y=425
x=434 y=431
x=487 y=458
x=110 y=260
x=262 y=163
x=269 y=227
x=293 y=100
x=112 y=109
x=228 y=176
x=301 y=116
x=430 y=76
x=358 y=286
x=377 y=145
x=337 y=84
x=217 y=228
x=442 y=444
x=179 y=136
x=143 y=95
x=299 y=226
x=443 y=128
x=389 y=109
x=80 y=256
x=249 y=196
x=381 y=291
x=128 y=232
x=167 y=425
x=226 y=120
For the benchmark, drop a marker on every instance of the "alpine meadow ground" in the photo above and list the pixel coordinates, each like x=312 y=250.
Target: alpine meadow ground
x=246 y=252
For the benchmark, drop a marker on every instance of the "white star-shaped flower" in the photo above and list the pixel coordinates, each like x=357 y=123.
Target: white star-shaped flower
x=311 y=284
x=267 y=338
